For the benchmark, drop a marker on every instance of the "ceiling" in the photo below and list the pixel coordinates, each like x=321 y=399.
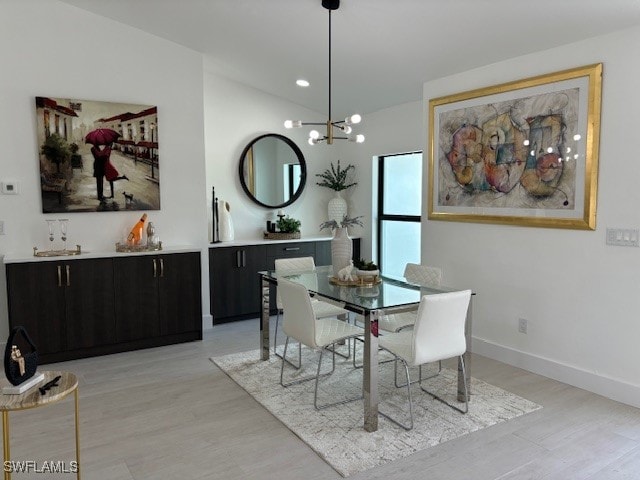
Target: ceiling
x=383 y=51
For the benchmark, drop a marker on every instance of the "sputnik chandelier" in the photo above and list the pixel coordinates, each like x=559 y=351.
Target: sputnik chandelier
x=343 y=127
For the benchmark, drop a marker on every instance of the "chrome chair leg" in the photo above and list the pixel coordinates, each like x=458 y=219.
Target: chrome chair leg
x=395 y=374
x=275 y=345
x=315 y=395
x=301 y=380
x=466 y=391
x=408 y=385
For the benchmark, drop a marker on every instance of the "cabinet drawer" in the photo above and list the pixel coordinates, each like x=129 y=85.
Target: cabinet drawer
x=299 y=249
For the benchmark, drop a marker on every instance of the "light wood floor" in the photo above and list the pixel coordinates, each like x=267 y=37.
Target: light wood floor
x=170 y=413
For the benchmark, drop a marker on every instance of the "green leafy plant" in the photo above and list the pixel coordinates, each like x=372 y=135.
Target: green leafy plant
x=56 y=149
x=335 y=178
x=362 y=264
x=346 y=222
x=288 y=225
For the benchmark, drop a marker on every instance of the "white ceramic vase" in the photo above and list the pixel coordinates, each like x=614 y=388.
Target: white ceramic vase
x=225 y=224
x=341 y=250
x=337 y=208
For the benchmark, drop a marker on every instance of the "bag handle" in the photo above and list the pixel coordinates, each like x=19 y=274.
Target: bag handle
x=7 y=351
x=15 y=331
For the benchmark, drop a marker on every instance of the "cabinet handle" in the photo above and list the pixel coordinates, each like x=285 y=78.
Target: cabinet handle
x=244 y=258
x=238 y=261
x=155 y=268
x=59 y=275
x=291 y=249
x=162 y=267
x=68 y=276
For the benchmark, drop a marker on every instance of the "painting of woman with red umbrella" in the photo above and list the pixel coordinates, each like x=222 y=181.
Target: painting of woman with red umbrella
x=102 y=140
x=119 y=140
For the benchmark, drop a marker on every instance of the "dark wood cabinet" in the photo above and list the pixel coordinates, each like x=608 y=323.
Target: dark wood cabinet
x=63 y=305
x=233 y=281
x=79 y=308
x=136 y=287
x=233 y=274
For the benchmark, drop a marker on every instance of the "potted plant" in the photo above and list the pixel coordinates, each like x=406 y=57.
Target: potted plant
x=288 y=225
x=341 y=245
x=335 y=178
x=366 y=269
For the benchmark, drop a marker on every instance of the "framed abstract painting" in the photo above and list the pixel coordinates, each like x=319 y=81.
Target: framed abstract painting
x=519 y=153
x=97 y=156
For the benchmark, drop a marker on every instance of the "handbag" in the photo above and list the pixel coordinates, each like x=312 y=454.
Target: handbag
x=14 y=359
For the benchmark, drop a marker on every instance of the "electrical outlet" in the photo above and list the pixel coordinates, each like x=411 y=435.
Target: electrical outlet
x=522 y=325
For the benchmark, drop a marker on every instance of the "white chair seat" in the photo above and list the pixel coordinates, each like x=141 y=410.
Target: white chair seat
x=329 y=330
x=398 y=343
x=325 y=309
x=397 y=321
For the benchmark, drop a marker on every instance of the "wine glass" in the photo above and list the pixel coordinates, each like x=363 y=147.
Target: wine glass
x=51 y=224
x=63 y=230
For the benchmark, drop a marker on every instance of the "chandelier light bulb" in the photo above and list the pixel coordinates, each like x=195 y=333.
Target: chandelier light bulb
x=292 y=123
x=314 y=134
x=353 y=119
x=360 y=138
x=347 y=129
x=302 y=82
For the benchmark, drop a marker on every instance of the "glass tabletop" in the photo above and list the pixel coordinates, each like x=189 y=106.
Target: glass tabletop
x=389 y=293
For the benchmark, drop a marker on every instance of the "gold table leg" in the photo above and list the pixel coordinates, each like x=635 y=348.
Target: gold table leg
x=5 y=444
x=77 y=433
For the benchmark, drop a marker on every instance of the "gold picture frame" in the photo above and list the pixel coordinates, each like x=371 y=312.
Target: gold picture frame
x=519 y=153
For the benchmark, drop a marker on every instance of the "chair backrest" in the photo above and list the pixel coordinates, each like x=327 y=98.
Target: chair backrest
x=295 y=264
x=439 y=329
x=423 y=275
x=298 y=320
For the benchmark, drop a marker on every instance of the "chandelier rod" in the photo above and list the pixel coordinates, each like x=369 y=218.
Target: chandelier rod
x=330 y=118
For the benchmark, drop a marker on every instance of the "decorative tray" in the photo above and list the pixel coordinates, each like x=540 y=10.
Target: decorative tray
x=123 y=247
x=56 y=253
x=281 y=236
x=358 y=282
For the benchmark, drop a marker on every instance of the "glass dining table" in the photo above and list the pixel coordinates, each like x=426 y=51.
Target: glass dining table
x=390 y=295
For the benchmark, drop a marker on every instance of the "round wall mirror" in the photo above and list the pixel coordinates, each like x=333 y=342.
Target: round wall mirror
x=272 y=171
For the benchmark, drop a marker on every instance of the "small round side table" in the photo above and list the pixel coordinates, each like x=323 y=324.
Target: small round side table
x=32 y=398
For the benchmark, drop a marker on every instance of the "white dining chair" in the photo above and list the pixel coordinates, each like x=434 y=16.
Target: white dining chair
x=321 y=308
x=300 y=323
x=422 y=275
x=438 y=334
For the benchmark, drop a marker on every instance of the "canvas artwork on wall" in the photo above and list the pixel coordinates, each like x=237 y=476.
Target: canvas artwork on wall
x=97 y=156
x=523 y=153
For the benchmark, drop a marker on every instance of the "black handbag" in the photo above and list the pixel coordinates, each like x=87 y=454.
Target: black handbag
x=12 y=365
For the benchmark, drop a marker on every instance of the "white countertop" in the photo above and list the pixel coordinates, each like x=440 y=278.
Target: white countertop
x=29 y=257
x=264 y=241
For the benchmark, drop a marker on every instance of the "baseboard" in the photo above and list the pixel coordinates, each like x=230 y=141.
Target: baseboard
x=207 y=322
x=617 y=390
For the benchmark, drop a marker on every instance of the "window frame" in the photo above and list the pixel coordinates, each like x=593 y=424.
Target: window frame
x=393 y=217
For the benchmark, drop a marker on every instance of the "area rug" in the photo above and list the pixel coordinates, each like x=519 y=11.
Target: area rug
x=337 y=433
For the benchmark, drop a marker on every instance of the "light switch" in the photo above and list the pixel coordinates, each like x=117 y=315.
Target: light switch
x=10 y=188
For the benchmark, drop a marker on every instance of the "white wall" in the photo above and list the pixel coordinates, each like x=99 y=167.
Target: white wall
x=236 y=114
x=49 y=48
x=581 y=298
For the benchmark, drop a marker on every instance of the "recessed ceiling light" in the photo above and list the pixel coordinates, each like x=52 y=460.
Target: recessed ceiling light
x=302 y=83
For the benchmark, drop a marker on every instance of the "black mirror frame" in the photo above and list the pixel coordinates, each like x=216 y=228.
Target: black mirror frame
x=303 y=169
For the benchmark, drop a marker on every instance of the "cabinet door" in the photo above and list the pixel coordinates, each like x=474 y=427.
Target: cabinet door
x=136 y=297
x=234 y=281
x=180 y=295
x=36 y=301
x=323 y=253
x=89 y=296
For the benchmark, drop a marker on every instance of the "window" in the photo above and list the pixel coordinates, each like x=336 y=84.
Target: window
x=399 y=208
